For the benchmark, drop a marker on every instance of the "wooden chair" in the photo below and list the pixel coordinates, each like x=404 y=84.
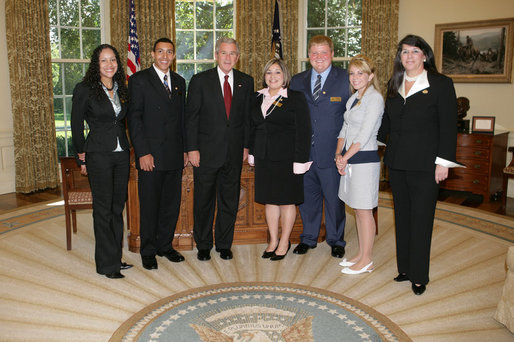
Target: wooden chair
x=507 y=173
x=76 y=193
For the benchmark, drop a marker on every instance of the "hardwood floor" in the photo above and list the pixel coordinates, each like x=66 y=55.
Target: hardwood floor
x=13 y=200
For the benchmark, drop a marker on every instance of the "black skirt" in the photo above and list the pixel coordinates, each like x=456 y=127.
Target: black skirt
x=275 y=183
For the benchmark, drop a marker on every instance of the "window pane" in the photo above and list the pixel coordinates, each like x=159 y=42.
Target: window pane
x=54 y=42
x=204 y=66
x=316 y=13
x=186 y=70
x=72 y=76
x=204 y=45
x=204 y=13
x=336 y=14
x=224 y=14
x=67 y=110
x=354 y=12
x=69 y=12
x=339 y=39
x=90 y=40
x=220 y=34
x=58 y=113
x=61 y=144
x=57 y=78
x=52 y=11
x=185 y=45
x=184 y=14
x=341 y=64
x=354 y=42
x=70 y=43
x=91 y=13
x=310 y=34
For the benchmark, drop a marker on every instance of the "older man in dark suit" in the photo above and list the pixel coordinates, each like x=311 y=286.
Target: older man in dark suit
x=155 y=120
x=217 y=114
x=326 y=90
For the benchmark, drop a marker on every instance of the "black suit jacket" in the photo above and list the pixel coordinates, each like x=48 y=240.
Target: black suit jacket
x=422 y=127
x=285 y=134
x=156 y=123
x=208 y=130
x=105 y=129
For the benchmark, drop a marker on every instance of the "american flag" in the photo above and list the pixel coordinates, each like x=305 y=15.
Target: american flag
x=276 y=43
x=133 y=60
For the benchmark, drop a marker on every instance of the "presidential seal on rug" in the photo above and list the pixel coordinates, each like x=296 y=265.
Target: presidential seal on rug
x=258 y=312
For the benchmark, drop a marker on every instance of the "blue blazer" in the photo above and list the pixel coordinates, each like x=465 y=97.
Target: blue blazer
x=326 y=112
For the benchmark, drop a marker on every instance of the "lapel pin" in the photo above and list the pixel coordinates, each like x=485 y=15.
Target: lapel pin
x=176 y=88
x=425 y=91
x=239 y=85
x=324 y=93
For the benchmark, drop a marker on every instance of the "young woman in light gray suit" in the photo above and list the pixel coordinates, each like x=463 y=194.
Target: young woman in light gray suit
x=357 y=158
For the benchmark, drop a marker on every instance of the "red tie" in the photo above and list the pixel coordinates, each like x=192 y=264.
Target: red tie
x=227 y=95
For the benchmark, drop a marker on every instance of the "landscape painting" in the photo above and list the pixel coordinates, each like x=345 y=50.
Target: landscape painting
x=479 y=51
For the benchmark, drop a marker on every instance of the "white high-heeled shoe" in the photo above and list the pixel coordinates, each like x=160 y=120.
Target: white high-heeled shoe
x=346 y=263
x=348 y=270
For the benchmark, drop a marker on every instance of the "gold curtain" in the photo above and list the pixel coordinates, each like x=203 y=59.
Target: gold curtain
x=30 y=71
x=155 y=19
x=253 y=31
x=380 y=35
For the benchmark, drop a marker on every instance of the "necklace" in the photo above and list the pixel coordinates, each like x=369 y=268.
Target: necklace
x=106 y=87
x=411 y=79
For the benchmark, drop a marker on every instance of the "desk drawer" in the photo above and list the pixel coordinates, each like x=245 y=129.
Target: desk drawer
x=474 y=140
x=473 y=153
x=467 y=182
x=475 y=166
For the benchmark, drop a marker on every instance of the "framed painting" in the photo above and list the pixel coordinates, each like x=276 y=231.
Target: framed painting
x=475 y=51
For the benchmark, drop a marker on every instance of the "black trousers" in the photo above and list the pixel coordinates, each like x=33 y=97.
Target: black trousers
x=415 y=196
x=216 y=186
x=159 y=206
x=108 y=177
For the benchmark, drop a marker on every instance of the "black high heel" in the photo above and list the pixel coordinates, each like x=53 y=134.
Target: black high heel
x=277 y=257
x=267 y=255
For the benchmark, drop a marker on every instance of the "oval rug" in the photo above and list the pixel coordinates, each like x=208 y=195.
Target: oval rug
x=261 y=312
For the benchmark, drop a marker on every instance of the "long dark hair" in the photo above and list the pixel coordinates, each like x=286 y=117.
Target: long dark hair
x=429 y=64
x=92 y=76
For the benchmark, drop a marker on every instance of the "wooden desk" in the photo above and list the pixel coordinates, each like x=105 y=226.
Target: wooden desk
x=250 y=224
x=485 y=157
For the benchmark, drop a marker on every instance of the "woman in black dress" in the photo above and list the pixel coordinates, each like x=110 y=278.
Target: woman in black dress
x=101 y=100
x=280 y=135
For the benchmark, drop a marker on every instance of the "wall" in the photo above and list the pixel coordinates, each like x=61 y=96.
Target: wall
x=7 y=178
x=491 y=99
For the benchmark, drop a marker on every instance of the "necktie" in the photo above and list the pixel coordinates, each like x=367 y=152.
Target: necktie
x=167 y=86
x=227 y=95
x=317 y=88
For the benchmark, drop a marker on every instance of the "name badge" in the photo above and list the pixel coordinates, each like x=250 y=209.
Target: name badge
x=335 y=99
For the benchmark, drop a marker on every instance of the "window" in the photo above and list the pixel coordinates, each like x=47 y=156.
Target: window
x=340 y=20
x=198 y=25
x=75 y=31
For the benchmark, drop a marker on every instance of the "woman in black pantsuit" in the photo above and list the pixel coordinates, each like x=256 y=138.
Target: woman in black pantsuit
x=280 y=135
x=419 y=127
x=101 y=100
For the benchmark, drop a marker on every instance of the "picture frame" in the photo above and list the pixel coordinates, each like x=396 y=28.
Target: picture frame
x=483 y=124
x=475 y=51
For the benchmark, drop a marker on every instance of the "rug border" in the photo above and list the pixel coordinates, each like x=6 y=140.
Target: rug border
x=127 y=324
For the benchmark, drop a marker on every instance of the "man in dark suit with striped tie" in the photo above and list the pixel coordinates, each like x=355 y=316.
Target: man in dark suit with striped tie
x=156 y=126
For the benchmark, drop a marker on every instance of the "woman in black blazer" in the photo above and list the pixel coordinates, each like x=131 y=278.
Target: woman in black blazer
x=101 y=100
x=419 y=127
x=280 y=135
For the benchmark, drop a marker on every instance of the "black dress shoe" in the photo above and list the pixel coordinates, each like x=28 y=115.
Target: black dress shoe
x=114 y=275
x=225 y=254
x=418 y=289
x=149 y=262
x=125 y=266
x=204 y=254
x=276 y=257
x=172 y=256
x=401 y=277
x=302 y=248
x=337 y=251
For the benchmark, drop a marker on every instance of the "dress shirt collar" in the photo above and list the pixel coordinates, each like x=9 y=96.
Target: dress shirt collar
x=282 y=92
x=324 y=75
x=420 y=84
x=161 y=75
x=221 y=76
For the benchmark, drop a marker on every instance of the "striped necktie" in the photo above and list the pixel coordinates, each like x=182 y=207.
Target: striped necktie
x=317 y=88
x=167 y=86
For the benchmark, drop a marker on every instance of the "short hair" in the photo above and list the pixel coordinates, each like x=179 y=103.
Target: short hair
x=163 y=40
x=226 y=40
x=320 y=39
x=366 y=65
x=283 y=67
